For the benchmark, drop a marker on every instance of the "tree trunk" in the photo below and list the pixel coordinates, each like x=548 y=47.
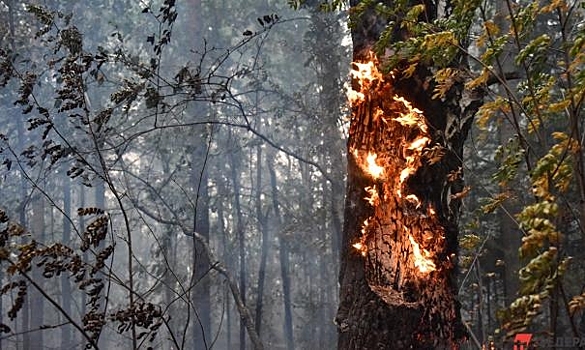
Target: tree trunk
x=22 y=209
x=510 y=235
x=81 y=228
x=235 y=168
x=221 y=217
x=261 y=225
x=284 y=263
x=329 y=58
x=66 y=296
x=37 y=303
x=201 y=298
x=399 y=247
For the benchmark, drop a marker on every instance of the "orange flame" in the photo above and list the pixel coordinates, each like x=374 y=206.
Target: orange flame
x=374 y=169
x=366 y=79
x=365 y=74
x=413 y=117
x=421 y=260
x=361 y=246
x=373 y=197
x=369 y=165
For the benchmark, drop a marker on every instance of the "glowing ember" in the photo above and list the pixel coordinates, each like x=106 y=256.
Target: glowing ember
x=362 y=248
x=421 y=261
x=413 y=199
x=366 y=72
x=405 y=173
x=364 y=226
x=354 y=96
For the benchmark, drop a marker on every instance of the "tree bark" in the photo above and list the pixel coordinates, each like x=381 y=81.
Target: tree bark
x=261 y=225
x=399 y=247
x=200 y=296
x=284 y=263
x=240 y=234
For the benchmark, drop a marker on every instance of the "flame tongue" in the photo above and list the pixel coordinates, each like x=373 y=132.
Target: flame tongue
x=421 y=260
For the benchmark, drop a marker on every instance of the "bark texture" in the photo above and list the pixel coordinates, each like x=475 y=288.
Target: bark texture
x=387 y=300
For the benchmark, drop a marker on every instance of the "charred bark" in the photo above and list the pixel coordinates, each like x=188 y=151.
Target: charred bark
x=399 y=250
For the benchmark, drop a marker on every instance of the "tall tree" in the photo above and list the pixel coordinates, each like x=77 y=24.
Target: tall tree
x=399 y=248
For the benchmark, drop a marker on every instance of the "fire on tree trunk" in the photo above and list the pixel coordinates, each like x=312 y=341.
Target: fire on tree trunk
x=398 y=287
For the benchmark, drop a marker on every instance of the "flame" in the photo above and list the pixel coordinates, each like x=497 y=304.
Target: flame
x=374 y=169
x=413 y=117
x=391 y=174
x=355 y=96
x=421 y=261
x=419 y=143
x=413 y=199
x=364 y=74
x=369 y=165
x=373 y=197
x=361 y=247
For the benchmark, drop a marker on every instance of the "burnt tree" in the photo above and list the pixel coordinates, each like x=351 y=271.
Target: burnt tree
x=404 y=185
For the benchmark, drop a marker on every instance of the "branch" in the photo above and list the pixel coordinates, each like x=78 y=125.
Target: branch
x=68 y=317
x=502 y=78
x=221 y=269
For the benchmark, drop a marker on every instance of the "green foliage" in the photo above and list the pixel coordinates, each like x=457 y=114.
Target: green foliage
x=535 y=52
x=538 y=279
x=534 y=47
x=324 y=5
x=469 y=241
x=519 y=315
x=510 y=157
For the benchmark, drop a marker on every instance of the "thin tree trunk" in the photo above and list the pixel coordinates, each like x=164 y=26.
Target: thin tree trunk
x=37 y=302
x=83 y=304
x=221 y=191
x=201 y=298
x=510 y=236
x=25 y=321
x=284 y=263
x=66 y=296
x=261 y=220
x=235 y=166
x=99 y=195
x=11 y=38
x=227 y=260
x=329 y=58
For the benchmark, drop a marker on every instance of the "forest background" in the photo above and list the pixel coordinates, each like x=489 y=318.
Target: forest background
x=173 y=174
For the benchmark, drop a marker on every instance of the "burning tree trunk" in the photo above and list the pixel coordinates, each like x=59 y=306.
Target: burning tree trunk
x=399 y=252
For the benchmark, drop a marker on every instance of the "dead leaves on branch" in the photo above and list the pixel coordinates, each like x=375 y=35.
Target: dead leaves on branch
x=20 y=255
